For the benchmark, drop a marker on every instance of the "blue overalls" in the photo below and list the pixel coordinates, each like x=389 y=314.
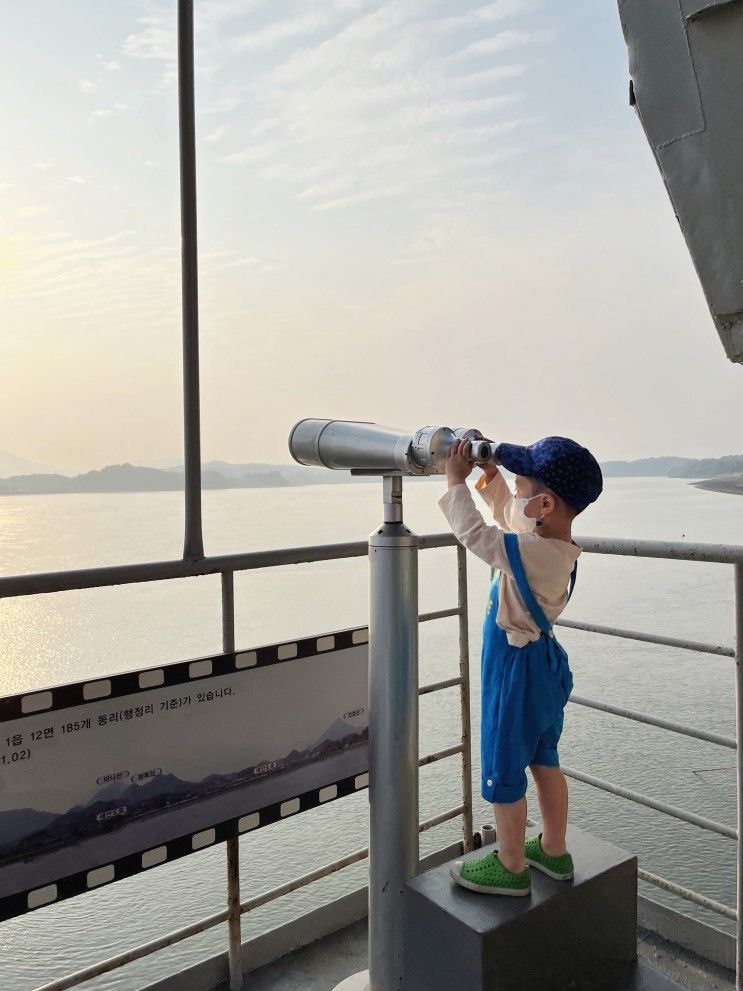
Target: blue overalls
x=524 y=691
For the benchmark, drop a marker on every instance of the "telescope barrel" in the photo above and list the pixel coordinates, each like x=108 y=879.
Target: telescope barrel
x=347 y=444
x=357 y=446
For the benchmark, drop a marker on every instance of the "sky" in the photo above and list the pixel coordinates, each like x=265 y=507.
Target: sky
x=412 y=212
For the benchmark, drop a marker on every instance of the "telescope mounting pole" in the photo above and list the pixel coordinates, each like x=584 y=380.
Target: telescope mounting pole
x=393 y=736
x=393 y=741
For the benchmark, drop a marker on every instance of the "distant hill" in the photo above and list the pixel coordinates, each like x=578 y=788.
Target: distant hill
x=11 y=464
x=671 y=467
x=229 y=475
x=138 y=478
x=129 y=478
x=660 y=467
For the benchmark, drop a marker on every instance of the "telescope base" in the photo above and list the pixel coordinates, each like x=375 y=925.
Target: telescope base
x=356 y=982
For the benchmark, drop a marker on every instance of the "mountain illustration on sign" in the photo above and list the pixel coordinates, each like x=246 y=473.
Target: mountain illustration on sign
x=25 y=833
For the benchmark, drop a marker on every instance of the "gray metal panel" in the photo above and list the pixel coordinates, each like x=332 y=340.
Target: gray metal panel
x=696 y=8
x=660 y=65
x=687 y=76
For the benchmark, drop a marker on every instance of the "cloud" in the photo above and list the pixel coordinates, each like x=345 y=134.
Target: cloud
x=44 y=166
x=501 y=10
x=504 y=41
x=32 y=210
x=86 y=86
x=486 y=77
x=70 y=180
x=362 y=196
x=80 y=278
x=379 y=108
x=104 y=112
x=217 y=134
x=245 y=262
x=273 y=34
x=254 y=153
x=110 y=65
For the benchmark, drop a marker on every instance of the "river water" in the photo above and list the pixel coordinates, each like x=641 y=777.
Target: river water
x=49 y=639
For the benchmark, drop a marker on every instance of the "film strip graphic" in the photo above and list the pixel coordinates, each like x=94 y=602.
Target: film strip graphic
x=140 y=682
x=170 y=675
x=135 y=863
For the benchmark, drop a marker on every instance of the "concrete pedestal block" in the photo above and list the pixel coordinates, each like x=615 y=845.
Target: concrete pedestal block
x=577 y=934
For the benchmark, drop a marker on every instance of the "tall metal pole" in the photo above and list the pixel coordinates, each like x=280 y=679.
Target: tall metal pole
x=193 y=544
x=393 y=742
x=393 y=737
x=738 y=592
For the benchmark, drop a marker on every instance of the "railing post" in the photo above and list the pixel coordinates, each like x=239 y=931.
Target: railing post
x=738 y=592
x=233 y=843
x=464 y=673
x=233 y=907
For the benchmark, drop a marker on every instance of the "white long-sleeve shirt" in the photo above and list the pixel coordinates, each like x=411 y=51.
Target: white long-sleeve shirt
x=548 y=562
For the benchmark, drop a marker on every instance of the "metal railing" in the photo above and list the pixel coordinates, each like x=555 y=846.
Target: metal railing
x=227 y=565
x=712 y=554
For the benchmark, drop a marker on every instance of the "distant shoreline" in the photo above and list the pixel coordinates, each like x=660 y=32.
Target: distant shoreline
x=730 y=484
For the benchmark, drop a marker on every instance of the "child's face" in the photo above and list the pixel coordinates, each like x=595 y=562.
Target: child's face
x=527 y=488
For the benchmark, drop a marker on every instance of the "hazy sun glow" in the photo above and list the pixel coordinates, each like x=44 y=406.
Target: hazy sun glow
x=406 y=214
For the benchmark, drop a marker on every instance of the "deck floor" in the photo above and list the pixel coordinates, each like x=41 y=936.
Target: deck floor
x=324 y=964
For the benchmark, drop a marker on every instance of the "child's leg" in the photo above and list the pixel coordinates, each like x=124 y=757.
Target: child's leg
x=552 y=793
x=510 y=821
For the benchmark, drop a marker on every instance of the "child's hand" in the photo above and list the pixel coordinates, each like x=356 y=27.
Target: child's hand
x=458 y=465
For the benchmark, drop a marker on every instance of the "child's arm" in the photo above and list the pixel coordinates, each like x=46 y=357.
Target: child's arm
x=457 y=505
x=494 y=489
x=470 y=529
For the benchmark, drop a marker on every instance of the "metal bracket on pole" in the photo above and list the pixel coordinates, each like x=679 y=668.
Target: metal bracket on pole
x=393 y=741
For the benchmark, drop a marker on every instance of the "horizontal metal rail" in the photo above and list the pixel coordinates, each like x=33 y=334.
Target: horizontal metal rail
x=136 y=953
x=441 y=818
x=688 y=894
x=672 y=810
x=156 y=571
x=300 y=882
x=438 y=686
x=426 y=617
x=440 y=755
x=640 y=717
x=153 y=571
x=611 y=631
x=670 y=550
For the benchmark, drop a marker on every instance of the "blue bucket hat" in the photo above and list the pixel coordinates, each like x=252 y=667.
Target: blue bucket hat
x=571 y=471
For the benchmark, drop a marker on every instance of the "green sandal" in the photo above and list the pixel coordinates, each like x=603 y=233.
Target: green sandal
x=488 y=875
x=560 y=868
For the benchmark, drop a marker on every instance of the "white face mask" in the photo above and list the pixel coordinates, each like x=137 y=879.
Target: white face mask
x=516 y=518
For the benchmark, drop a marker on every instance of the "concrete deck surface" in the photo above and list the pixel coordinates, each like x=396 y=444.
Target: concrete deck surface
x=324 y=964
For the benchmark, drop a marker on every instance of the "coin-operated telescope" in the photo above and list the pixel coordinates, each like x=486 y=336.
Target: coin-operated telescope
x=370 y=449
x=367 y=448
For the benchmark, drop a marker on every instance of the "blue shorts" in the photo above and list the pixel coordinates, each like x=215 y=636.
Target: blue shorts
x=524 y=692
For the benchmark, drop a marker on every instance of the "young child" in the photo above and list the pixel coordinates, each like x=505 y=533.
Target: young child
x=526 y=679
